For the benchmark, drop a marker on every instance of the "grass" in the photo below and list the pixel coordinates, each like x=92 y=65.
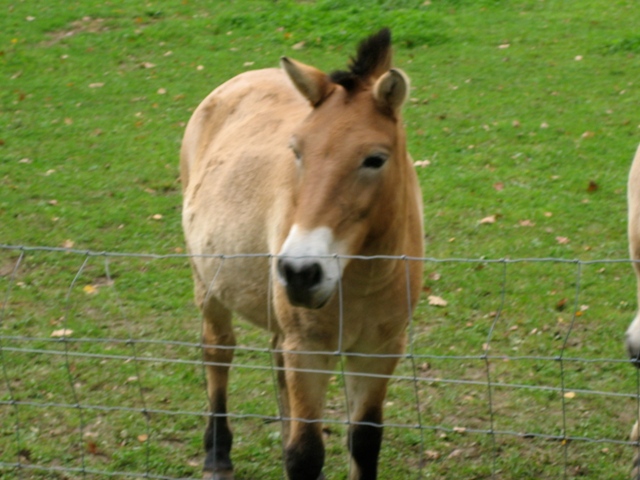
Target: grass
x=527 y=113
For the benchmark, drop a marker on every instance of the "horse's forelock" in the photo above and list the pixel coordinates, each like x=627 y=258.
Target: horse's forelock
x=372 y=60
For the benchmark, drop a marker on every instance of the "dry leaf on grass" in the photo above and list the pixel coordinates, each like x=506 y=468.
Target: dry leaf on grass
x=489 y=219
x=63 y=332
x=90 y=289
x=437 y=301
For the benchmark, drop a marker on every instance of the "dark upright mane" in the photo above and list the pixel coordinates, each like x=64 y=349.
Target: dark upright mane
x=374 y=57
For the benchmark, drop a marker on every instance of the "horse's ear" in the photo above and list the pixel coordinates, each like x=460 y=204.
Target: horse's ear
x=391 y=89
x=311 y=82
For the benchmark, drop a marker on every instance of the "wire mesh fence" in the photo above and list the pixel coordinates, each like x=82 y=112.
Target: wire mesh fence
x=514 y=368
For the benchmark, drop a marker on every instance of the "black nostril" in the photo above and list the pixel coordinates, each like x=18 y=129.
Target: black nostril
x=304 y=276
x=312 y=275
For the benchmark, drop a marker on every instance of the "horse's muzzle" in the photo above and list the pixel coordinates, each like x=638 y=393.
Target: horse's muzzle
x=304 y=281
x=632 y=341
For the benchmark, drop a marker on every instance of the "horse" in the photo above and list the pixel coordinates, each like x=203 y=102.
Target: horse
x=632 y=336
x=302 y=213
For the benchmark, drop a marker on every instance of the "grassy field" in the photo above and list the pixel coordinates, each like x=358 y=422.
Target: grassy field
x=527 y=113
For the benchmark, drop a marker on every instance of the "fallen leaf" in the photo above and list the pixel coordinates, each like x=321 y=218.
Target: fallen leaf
x=53 y=203
x=421 y=163
x=593 y=186
x=489 y=219
x=459 y=429
x=68 y=121
x=562 y=240
x=25 y=160
x=578 y=58
x=437 y=301
x=162 y=91
x=562 y=303
x=456 y=453
x=503 y=46
x=90 y=289
x=63 y=332
x=92 y=447
x=68 y=243
x=570 y=395
x=434 y=276
x=298 y=46
x=200 y=67
x=526 y=223
x=587 y=134
x=544 y=125
x=143 y=438
x=157 y=216
x=498 y=186
x=515 y=124
x=147 y=65
x=431 y=455
x=96 y=85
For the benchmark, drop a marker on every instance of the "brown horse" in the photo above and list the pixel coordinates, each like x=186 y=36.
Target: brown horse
x=310 y=170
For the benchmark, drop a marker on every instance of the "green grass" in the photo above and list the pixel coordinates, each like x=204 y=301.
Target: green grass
x=526 y=110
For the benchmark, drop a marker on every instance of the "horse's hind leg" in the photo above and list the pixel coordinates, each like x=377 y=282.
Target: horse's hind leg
x=218 y=342
x=365 y=399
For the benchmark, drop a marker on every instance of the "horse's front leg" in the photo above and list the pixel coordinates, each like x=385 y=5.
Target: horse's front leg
x=218 y=342
x=307 y=376
x=365 y=399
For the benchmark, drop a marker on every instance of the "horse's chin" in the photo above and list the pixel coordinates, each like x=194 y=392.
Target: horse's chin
x=308 y=300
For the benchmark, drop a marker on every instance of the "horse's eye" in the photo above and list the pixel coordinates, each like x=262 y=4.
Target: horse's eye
x=374 y=161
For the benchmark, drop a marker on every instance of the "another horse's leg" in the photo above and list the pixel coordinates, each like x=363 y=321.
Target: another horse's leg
x=365 y=398
x=283 y=395
x=218 y=342
x=307 y=376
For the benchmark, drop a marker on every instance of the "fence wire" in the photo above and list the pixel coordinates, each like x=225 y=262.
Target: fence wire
x=514 y=368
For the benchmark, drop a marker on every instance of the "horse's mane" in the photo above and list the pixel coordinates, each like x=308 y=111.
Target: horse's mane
x=372 y=60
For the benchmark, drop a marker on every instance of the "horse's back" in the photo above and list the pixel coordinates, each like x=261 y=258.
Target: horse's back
x=236 y=172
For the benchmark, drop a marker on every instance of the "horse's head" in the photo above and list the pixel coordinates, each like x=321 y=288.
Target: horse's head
x=350 y=194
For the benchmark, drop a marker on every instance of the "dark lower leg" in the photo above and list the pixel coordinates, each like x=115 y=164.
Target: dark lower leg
x=218 y=438
x=364 y=444
x=304 y=457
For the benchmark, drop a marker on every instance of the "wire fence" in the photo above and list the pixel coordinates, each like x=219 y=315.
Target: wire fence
x=514 y=368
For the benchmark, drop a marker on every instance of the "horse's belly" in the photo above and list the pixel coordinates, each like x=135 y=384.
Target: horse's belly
x=238 y=173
